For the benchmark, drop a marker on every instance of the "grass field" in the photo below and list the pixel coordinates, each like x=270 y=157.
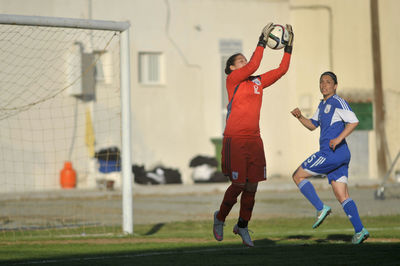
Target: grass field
x=280 y=241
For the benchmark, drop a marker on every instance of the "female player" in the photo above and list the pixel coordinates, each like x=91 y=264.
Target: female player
x=243 y=159
x=337 y=121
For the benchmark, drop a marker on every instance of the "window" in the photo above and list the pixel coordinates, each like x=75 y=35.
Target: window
x=150 y=68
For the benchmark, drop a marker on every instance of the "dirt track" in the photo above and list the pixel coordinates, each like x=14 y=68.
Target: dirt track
x=175 y=203
x=289 y=203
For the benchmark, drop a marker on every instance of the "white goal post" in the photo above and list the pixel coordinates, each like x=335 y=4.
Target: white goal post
x=123 y=28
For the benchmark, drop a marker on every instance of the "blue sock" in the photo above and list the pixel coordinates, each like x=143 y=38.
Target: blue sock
x=309 y=192
x=350 y=208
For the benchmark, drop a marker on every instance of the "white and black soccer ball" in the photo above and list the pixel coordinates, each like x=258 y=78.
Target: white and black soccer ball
x=278 y=37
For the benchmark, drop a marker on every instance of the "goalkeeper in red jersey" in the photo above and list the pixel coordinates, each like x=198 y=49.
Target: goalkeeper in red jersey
x=243 y=158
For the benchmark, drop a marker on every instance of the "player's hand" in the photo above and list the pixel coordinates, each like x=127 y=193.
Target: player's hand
x=334 y=142
x=296 y=113
x=289 y=45
x=291 y=34
x=262 y=41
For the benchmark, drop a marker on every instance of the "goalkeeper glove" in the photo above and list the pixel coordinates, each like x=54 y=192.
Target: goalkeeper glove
x=262 y=41
x=289 y=45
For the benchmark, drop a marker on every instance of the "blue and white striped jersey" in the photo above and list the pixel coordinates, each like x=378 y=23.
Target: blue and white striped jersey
x=332 y=116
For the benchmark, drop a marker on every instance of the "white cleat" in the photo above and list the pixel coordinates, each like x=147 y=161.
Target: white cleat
x=244 y=234
x=218 y=228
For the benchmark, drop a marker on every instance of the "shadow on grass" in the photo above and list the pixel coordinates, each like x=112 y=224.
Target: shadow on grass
x=299 y=237
x=339 y=237
x=265 y=252
x=263 y=242
x=328 y=239
x=155 y=229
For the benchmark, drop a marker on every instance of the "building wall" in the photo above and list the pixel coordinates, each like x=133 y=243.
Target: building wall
x=390 y=36
x=175 y=121
x=180 y=117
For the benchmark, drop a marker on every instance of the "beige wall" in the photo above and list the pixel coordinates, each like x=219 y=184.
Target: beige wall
x=390 y=38
x=174 y=122
x=352 y=57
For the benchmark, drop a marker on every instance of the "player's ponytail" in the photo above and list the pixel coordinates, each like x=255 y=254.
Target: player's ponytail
x=230 y=62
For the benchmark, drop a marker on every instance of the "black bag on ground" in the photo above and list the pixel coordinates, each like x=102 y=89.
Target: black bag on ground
x=159 y=175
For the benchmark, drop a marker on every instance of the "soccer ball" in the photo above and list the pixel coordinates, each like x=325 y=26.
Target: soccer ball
x=278 y=37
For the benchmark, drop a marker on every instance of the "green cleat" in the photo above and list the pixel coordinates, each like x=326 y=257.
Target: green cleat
x=359 y=237
x=321 y=215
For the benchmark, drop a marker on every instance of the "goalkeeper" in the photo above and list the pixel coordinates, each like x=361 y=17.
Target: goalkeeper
x=243 y=158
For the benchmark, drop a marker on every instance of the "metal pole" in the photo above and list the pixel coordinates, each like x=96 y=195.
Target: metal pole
x=63 y=22
x=127 y=200
x=379 y=106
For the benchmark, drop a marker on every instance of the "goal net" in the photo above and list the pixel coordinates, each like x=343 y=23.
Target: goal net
x=60 y=105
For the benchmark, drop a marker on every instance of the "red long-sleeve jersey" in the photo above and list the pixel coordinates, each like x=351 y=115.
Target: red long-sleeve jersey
x=243 y=116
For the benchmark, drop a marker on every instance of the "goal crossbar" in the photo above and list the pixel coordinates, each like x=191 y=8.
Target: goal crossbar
x=64 y=22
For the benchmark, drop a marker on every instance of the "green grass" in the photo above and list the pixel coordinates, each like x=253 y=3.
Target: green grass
x=287 y=241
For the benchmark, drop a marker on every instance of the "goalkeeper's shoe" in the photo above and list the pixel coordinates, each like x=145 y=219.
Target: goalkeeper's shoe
x=321 y=215
x=218 y=228
x=244 y=234
x=359 y=237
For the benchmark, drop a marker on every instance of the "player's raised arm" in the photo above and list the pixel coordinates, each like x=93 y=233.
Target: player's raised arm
x=239 y=74
x=305 y=121
x=272 y=76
